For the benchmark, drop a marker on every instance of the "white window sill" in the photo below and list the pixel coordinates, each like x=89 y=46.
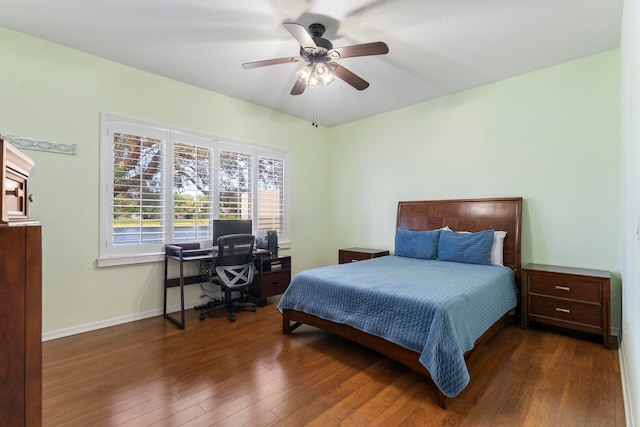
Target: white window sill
x=146 y=258
x=128 y=260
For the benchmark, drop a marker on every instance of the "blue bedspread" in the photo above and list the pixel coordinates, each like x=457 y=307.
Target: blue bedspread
x=435 y=308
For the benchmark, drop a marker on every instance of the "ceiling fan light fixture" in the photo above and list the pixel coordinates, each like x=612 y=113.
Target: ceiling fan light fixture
x=328 y=79
x=321 y=70
x=312 y=81
x=312 y=74
x=319 y=54
x=304 y=74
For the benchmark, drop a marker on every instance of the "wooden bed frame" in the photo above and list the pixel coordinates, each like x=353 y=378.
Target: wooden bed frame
x=460 y=215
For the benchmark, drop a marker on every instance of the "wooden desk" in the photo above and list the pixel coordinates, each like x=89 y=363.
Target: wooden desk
x=190 y=252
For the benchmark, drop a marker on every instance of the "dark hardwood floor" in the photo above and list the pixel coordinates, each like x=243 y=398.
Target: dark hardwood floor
x=247 y=373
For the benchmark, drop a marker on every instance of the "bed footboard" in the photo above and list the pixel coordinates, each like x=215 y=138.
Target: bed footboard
x=292 y=319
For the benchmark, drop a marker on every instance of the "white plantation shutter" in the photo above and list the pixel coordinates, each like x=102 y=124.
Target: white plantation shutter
x=193 y=186
x=164 y=186
x=235 y=185
x=271 y=194
x=138 y=189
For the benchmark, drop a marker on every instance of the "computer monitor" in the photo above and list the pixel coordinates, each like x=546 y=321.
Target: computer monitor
x=222 y=227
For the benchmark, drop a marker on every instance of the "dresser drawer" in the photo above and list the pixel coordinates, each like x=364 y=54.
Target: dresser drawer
x=573 y=312
x=565 y=287
x=14 y=201
x=15 y=204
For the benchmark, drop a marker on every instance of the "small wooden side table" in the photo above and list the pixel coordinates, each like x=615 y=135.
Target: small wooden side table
x=358 y=254
x=572 y=298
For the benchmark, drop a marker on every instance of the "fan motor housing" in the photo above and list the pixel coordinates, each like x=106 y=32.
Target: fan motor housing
x=317 y=30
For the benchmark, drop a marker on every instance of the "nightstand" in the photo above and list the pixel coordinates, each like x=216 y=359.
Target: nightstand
x=573 y=298
x=358 y=254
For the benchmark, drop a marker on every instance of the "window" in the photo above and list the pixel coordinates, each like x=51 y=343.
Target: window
x=192 y=190
x=166 y=186
x=271 y=193
x=236 y=185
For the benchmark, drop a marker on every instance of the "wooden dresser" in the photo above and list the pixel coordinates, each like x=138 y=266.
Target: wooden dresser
x=20 y=295
x=21 y=329
x=358 y=254
x=573 y=298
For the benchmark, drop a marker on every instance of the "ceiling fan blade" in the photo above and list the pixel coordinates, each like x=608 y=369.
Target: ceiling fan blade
x=348 y=76
x=274 y=61
x=301 y=35
x=298 y=88
x=366 y=49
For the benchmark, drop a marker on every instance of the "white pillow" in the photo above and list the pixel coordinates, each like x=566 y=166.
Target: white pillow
x=497 y=249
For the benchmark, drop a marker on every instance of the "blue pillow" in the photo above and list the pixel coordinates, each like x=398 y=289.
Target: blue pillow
x=417 y=244
x=470 y=248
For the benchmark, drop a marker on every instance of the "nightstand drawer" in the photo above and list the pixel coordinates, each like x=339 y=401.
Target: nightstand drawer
x=348 y=256
x=567 y=311
x=565 y=287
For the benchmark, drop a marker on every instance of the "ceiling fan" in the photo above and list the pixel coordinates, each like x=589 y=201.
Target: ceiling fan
x=320 y=56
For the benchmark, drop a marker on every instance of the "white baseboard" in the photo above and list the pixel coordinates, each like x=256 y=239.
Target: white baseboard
x=626 y=396
x=61 y=333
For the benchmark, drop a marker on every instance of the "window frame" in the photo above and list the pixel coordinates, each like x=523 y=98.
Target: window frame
x=110 y=254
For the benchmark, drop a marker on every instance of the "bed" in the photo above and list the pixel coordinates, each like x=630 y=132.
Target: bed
x=378 y=303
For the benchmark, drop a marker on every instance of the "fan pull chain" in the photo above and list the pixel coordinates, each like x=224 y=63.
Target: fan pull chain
x=315 y=107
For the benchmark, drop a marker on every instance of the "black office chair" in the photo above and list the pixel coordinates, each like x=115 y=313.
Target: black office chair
x=234 y=271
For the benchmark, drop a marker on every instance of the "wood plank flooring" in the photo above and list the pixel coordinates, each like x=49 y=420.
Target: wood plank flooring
x=218 y=373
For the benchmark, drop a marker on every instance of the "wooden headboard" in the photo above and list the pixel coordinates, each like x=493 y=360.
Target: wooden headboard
x=469 y=215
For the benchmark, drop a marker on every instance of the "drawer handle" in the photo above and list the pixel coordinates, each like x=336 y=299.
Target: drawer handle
x=563 y=310
x=563 y=288
x=355 y=260
x=17 y=192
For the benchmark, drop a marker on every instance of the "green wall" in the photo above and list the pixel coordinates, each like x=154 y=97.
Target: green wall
x=630 y=111
x=551 y=136
x=54 y=93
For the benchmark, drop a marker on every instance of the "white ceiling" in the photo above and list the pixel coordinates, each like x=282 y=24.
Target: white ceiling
x=436 y=47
